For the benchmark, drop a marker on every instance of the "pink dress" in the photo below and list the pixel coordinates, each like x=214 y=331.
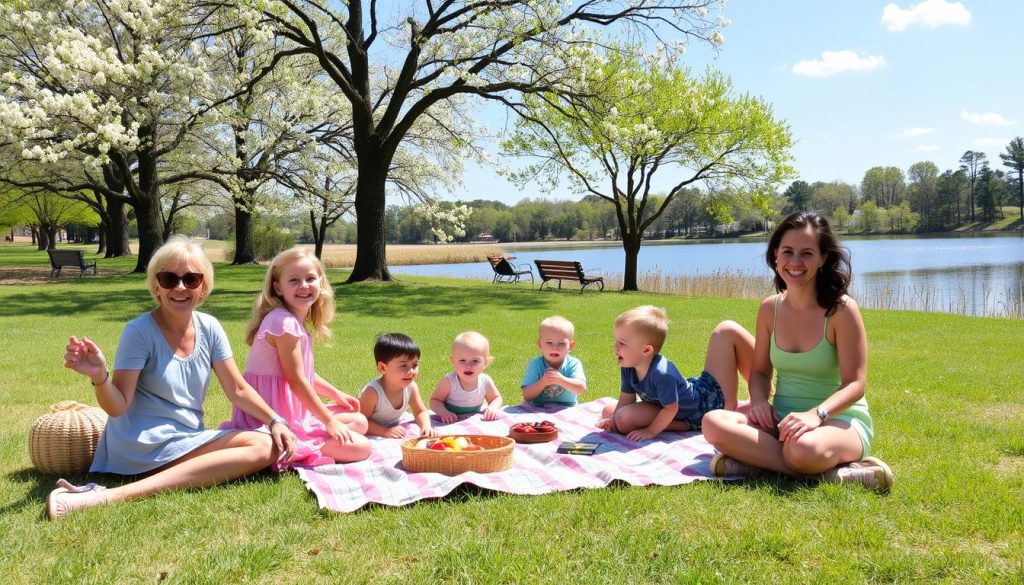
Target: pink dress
x=263 y=372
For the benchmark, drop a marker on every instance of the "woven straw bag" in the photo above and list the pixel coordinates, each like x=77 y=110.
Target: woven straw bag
x=63 y=441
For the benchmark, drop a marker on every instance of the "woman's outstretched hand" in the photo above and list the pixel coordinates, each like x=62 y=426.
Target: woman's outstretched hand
x=85 y=357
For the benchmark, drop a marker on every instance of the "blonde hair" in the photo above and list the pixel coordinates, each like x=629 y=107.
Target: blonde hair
x=559 y=324
x=179 y=249
x=319 y=315
x=473 y=341
x=650 y=322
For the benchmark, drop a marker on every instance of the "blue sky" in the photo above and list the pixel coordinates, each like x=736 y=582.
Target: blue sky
x=861 y=83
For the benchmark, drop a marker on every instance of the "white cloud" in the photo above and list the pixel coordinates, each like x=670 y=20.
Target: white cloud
x=833 y=62
x=927 y=14
x=991 y=141
x=928 y=147
x=986 y=118
x=912 y=132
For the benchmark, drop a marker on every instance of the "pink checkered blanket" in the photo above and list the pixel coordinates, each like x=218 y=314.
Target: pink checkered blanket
x=669 y=459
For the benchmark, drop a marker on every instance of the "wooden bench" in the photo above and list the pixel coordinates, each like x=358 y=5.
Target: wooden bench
x=505 y=271
x=72 y=258
x=565 y=270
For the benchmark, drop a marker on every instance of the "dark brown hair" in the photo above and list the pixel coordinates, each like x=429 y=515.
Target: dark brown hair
x=393 y=345
x=833 y=278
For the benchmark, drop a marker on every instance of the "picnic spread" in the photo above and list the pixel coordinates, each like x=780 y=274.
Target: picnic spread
x=537 y=468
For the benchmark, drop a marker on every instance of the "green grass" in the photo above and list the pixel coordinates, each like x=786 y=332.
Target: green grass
x=944 y=390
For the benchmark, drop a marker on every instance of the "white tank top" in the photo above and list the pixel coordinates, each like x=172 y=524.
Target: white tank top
x=462 y=398
x=384 y=413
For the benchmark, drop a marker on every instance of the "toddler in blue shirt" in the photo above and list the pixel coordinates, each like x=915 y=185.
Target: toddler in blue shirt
x=554 y=377
x=653 y=395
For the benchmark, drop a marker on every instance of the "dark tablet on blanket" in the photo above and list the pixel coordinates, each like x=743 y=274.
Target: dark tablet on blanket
x=571 y=448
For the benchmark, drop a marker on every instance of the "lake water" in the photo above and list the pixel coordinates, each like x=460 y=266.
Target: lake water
x=973 y=275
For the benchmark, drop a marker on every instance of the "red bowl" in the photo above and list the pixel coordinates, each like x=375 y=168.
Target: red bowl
x=533 y=437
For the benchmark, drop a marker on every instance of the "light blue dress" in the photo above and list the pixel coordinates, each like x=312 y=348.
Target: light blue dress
x=165 y=418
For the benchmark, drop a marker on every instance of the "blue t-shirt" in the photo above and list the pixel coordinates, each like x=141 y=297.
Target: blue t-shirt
x=165 y=417
x=572 y=368
x=663 y=385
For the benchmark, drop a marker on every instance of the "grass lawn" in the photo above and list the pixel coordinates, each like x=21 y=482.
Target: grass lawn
x=944 y=390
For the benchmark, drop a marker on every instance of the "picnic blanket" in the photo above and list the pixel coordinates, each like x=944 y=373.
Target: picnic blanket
x=669 y=459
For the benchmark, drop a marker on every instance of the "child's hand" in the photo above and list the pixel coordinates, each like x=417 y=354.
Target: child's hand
x=429 y=432
x=491 y=413
x=606 y=424
x=641 y=435
x=395 y=433
x=552 y=376
x=347 y=402
x=447 y=417
x=339 y=431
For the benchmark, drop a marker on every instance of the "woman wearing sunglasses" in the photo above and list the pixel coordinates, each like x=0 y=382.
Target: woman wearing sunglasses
x=155 y=394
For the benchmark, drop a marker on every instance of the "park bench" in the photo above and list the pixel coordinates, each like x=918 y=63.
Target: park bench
x=72 y=258
x=565 y=270
x=505 y=271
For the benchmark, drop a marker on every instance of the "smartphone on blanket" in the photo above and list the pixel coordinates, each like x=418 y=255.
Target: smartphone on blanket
x=573 y=448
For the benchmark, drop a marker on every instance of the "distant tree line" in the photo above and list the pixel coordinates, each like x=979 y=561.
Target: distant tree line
x=922 y=199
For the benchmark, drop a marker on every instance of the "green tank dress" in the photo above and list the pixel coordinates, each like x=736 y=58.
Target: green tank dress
x=803 y=380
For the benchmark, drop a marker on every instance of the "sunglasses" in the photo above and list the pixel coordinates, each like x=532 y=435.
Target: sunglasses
x=170 y=280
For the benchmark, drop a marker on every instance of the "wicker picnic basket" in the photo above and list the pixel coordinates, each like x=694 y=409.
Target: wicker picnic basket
x=63 y=441
x=496 y=456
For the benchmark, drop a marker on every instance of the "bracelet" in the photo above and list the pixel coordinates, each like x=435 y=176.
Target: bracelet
x=275 y=421
x=105 y=378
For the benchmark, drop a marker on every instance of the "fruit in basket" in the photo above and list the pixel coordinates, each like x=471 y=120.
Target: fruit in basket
x=447 y=444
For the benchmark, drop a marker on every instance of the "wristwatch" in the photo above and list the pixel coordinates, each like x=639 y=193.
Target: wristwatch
x=822 y=413
x=274 y=421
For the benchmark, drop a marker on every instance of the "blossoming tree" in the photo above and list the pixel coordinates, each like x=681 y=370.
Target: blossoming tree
x=401 y=64
x=645 y=116
x=108 y=85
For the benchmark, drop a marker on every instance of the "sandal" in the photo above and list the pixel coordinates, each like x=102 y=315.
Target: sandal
x=69 y=497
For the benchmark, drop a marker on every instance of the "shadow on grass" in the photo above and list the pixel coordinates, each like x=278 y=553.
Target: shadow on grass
x=103 y=303
x=411 y=299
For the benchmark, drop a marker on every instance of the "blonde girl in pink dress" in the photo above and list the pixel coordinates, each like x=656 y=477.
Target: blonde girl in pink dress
x=280 y=366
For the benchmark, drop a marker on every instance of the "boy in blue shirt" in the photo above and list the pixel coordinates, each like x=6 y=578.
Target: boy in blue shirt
x=554 y=377
x=654 y=397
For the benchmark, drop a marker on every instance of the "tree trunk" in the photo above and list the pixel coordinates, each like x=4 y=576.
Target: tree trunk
x=101 y=235
x=371 y=260
x=148 y=208
x=631 y=246
x=1020 y=188
x=151 y=230
x=245 y=247
x=319 y=233
x=42 y=240
x=51 y=235
x=972 y=202
x=117 y=229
